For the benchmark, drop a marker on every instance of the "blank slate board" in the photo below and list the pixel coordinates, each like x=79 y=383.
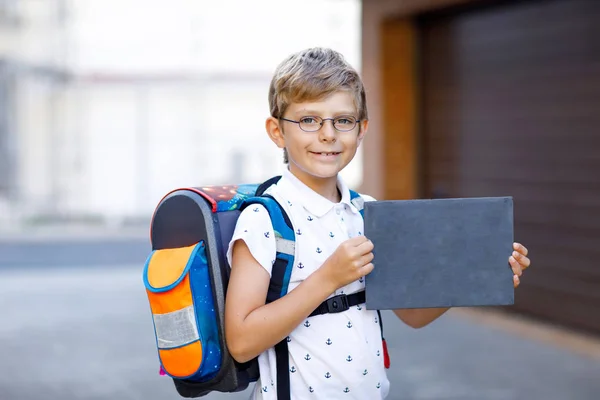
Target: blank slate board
x=440 y=253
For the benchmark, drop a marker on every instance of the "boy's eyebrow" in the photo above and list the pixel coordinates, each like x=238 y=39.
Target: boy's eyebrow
x=305 y=112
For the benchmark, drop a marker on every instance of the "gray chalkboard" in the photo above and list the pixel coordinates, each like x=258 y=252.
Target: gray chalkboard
x=440 y=253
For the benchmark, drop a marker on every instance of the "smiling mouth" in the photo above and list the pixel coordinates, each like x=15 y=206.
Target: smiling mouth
x=331 y=153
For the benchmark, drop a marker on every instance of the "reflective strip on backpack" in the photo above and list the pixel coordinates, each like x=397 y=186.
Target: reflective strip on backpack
x=358 y=202
x=176 y=329
x=285 y=246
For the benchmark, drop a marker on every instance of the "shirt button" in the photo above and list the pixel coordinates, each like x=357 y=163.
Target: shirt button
x=338 y=211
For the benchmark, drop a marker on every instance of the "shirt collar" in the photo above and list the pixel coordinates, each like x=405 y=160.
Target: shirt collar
x=311 y=200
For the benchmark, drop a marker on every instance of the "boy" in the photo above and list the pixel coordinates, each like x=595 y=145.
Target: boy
x=319 y=118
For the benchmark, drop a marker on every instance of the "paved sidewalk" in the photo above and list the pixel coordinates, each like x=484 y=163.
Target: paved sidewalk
x=76 y=326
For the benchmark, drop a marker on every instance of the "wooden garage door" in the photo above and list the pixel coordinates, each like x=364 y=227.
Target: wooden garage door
x=511 y=106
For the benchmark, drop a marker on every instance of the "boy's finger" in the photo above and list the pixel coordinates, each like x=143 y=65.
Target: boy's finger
x=520 y=248
x=367 y=258
x=516 y=267
x=357 y=240
x=525 y=262
x=365 y=247
x=516 y=281
x=366 y=270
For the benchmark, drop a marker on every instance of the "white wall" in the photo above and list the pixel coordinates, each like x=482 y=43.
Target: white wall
x=137 y=141
x=35 y=51
x=206 y=35
x=166 y=94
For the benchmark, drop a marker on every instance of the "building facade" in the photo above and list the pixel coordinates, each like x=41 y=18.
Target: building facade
x=496 y=98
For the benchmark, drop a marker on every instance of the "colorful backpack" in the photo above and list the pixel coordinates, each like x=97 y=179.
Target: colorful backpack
x=186 y=277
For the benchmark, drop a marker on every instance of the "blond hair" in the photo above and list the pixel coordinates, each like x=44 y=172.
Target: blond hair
x=313 y=74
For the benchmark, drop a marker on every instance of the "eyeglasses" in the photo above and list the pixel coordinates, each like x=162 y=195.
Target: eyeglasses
x=313 y=124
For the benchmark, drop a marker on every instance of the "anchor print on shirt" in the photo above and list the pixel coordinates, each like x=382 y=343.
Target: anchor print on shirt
x=307 y=357
x=289 y=203
x=310 y=389
x=349 y=324
x=300 y=265
x=349 y=358
x=267 y=234
x=378 y=385
x=289 y=339
x=331 y=235
x=293 y=369
x=327 y=375
x=319 y=251
x=378 y=353
x=298 y=232
x=358 y=307
x=309 y=218
x=365 y=372
x=328 y=342
x=256 y=209
x=376 y=320
x=264 y=388
x=307 y=324
x=346 y=390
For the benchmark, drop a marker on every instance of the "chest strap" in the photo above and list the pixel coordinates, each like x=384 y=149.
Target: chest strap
x=339 y=303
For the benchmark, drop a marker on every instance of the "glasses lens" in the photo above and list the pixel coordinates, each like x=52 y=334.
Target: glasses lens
x=310 y=124
x=344 y=123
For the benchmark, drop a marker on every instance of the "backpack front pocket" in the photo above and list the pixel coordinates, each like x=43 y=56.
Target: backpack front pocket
x=179 y=289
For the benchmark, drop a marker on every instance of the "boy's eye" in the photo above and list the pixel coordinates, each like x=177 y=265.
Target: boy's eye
x=344 y=121
x=309 y=120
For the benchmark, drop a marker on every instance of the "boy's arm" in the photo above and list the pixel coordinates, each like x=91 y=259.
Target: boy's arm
x=419 y=317
x=251 y=326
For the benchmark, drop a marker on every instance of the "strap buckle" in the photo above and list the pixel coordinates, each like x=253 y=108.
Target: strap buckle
x=337 y=303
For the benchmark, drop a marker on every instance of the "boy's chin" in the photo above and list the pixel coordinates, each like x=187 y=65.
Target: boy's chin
x=324 y=173
x=318 y=172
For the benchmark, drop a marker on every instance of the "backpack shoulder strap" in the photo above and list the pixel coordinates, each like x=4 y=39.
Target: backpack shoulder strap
x=285 y=245
x=357 y=201
x=280 y=275
x=267 y=184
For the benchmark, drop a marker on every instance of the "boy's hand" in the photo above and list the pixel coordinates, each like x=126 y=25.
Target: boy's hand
x=518 y=262
x=350 y=261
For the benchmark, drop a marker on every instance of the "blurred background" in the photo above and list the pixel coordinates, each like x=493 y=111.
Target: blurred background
x=106 y=105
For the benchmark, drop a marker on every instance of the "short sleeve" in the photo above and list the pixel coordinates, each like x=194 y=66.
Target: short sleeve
x=254 y=227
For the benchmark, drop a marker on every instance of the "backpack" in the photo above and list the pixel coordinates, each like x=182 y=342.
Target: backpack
x=186 y=276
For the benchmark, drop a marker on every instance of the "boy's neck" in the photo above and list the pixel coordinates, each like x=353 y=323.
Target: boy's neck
x=326 y=187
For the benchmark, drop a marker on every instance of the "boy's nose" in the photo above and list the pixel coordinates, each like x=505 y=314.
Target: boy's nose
x=327 y=131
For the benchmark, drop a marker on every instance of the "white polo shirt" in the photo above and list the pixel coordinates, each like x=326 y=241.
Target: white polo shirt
x=331 y=356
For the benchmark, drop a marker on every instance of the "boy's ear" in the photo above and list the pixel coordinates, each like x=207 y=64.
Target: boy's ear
x=275 y=132
x=364 y=126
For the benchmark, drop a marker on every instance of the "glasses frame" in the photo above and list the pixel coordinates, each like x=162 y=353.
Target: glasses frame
x=322 y=122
